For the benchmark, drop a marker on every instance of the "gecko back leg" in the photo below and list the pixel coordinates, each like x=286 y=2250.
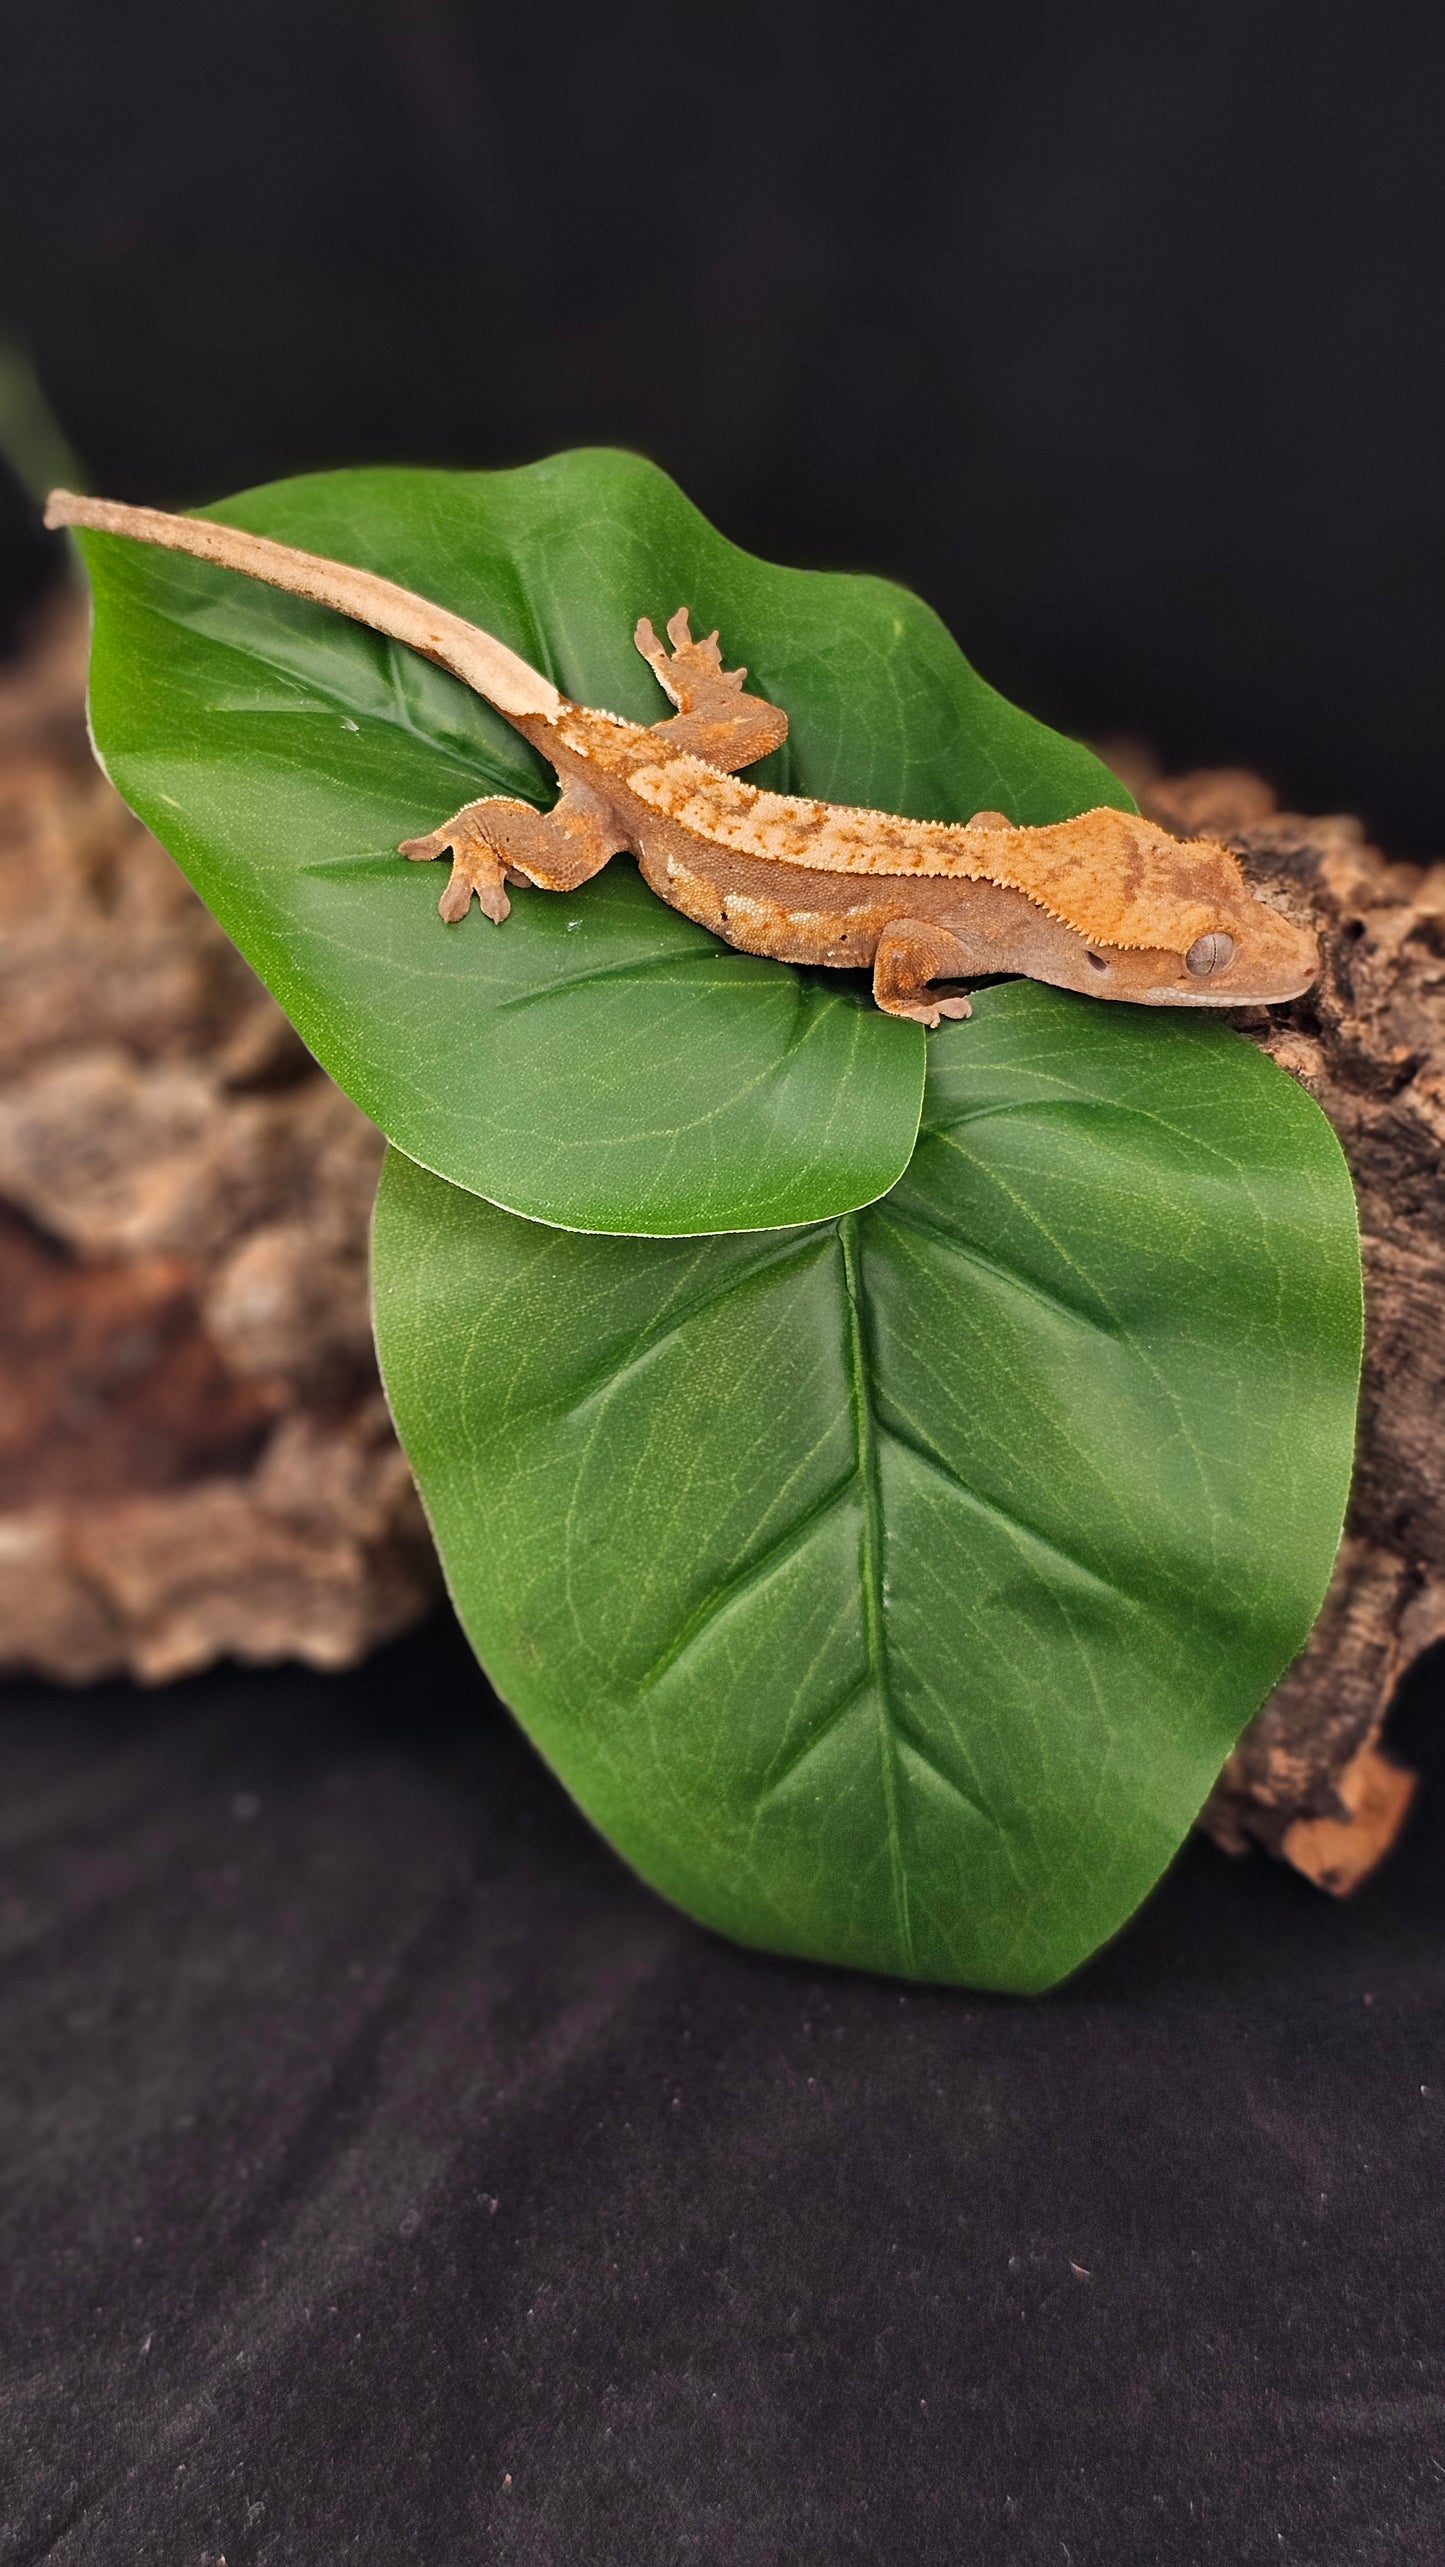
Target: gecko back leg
x=496 y=841
x=714 y=720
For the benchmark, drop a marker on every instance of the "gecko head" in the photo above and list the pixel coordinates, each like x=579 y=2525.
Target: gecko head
x=1180 y=925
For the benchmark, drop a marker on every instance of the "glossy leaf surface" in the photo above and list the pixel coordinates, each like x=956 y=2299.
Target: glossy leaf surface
x=892 y=1590
x=598 y=1061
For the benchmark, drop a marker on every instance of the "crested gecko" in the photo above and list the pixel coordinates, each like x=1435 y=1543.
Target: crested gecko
x=1106 y=903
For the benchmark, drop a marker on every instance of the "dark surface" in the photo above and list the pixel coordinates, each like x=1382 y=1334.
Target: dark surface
x=1114 y=330
x=388 y=2177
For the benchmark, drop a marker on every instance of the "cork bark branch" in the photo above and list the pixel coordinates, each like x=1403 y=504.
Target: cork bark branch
x=195 y=1458
x=1309 y=1780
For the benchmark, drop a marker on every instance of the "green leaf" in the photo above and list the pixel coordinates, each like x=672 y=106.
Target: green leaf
x=891 y=1592
x=598 y=1061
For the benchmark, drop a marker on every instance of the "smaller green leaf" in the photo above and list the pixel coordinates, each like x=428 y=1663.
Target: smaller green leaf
x=597 y=1062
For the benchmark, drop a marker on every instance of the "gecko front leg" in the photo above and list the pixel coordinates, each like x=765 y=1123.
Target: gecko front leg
x=497 y=840
x=910 y=954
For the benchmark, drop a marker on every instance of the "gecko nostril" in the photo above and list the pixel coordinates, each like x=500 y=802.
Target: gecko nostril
x=1098 y=962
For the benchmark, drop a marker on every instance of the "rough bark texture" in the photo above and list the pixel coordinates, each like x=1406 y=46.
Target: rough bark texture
x=195 y=1461
x=1308 y=1779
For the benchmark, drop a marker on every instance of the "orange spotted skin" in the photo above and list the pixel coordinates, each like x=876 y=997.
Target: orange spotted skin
x=1104 y=903
x=761 y=904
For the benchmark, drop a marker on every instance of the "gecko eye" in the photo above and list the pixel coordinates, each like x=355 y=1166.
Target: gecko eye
x=1211 y=953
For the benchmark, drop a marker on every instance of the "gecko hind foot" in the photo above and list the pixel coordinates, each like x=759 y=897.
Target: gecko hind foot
x=692 y=673
x=476 y=866
x=715 y=720
x=497 y=840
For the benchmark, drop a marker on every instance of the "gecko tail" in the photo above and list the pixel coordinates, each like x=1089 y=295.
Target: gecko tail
x=477 y=658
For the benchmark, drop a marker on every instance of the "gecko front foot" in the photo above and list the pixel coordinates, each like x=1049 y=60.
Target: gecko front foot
x=910 y=954
x=931 y=1012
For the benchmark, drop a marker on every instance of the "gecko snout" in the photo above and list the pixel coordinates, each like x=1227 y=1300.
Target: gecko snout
x=1260 y=959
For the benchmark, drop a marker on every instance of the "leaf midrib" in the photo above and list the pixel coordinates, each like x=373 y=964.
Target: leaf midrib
x=870 y=1564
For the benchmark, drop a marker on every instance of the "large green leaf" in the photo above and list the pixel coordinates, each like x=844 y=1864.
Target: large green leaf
x=598 y=1061
x=892 y=1591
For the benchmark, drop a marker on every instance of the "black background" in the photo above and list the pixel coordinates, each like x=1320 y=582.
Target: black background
x=389 y=2178
x=1115 y=329
x=386 y=2176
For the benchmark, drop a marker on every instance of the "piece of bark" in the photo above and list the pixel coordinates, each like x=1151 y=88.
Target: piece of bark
x=195 y=1459
x=1309 y=1779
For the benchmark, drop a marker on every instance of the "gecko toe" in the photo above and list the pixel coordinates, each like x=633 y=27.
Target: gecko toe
x=456 y=900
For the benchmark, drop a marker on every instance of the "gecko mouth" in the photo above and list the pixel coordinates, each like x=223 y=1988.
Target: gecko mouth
x=1276 y=967
x=1247 y=986
x=1219 y=994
